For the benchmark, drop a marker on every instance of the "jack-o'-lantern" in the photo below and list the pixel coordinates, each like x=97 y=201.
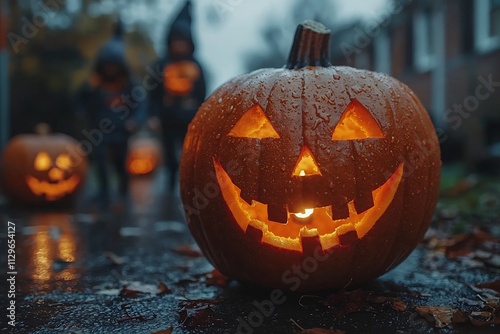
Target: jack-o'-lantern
x=180 y=77
x=144 y=155
x=330 y=171
x=41 y=169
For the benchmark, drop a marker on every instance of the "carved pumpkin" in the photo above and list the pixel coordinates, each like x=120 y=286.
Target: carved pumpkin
x=331 y=171
x=180 y=77
x=143 y=156
x=39 y=169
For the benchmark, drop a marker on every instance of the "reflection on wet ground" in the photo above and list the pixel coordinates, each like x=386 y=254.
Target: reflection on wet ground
x=135 y=269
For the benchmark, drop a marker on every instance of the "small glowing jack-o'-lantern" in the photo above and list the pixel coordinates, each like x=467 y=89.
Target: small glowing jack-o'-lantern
x=144 y=155
x=41 y=169
x=180 y=77
x=308 y=171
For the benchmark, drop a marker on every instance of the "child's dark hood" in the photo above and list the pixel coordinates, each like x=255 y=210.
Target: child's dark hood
x=181 y=26
x=113 y=52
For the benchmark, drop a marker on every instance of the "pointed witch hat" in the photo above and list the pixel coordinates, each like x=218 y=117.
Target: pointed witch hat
x=181 y=26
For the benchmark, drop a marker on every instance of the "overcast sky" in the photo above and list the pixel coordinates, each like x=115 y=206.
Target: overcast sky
x=221 y=47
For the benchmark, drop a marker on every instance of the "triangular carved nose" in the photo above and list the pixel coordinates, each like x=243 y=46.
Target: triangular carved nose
x=306 y=164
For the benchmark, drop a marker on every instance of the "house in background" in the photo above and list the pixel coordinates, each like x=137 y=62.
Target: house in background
x=448 y=52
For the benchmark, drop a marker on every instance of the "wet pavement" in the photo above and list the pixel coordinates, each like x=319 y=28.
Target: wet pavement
x=135 y=269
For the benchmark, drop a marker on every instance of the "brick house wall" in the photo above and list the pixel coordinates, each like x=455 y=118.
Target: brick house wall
x=441 y=49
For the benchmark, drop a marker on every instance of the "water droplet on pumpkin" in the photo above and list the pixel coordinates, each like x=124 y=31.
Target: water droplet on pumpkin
x=220 y=99
x=283 y=168
x=357 y=89
x=218 y=136
x=328 y=151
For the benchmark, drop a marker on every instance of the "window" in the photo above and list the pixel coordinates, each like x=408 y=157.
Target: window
x=423 y=42
x=487 y=25
x=467 y=8
x=495 y=18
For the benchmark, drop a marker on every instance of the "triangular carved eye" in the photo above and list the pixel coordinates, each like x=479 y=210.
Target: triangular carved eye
x=357 y=123
x=254 y=124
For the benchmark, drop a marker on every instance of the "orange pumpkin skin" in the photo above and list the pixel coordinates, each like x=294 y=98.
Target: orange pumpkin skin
x=43 y=169
x=228 y=180
x=143 y=157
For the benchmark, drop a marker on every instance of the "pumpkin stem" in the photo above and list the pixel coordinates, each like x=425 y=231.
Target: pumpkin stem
x=311 y=46
x=42 y=129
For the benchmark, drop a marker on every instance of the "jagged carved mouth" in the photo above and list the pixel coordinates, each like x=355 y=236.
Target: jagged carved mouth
x=313 y=223
x=52 y=191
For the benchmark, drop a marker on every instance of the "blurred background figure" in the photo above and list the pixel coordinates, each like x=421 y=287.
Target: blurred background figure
x=175 y=102
x=112 y=112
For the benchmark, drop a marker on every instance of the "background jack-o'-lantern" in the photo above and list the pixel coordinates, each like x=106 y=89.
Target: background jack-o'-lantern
x=144 y=155
x=329 y=170
x=43 y=168
x=179 y=77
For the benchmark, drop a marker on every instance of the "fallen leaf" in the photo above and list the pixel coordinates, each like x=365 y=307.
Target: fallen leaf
x=115 y=259
x=135 y=288
x=187 y=250
x=398 y=305
x=216 y=278
x=316 y=330
x=495 y=286
x=478 y=245
x=183 y=314
x=165 y=331
x=163 y=289
x=443 y=316
x=188 y=280
x=489 y=315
